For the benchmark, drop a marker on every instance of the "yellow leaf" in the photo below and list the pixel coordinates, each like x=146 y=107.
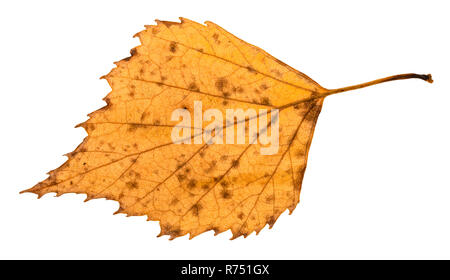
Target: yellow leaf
x=192 y=187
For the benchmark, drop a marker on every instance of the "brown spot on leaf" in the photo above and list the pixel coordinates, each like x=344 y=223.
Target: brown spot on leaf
x=174 y=201
x=132 y=185
x=221 y=83
x=134 y=126
x=196 y=209
x=251 y=69
x=270 y=198
x=212 y=166
x=265 y=101
x=192 y=183
x=226 y=194
x=173 y=47
x=181 y=177
x=193 y=87
x=300 y=153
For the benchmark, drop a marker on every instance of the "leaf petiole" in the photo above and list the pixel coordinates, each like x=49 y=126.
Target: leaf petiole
x=383 y=80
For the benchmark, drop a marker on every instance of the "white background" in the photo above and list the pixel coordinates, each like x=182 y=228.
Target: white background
x=377 y=183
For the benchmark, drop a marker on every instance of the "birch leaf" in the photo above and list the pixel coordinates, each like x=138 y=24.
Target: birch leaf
x=129 y=155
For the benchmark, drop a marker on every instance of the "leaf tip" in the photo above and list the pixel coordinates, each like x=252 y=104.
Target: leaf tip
x=24 y=191
x=209 y=23
x=166 y=23
x=119 y=211
x=33 y=191
x=236 y=235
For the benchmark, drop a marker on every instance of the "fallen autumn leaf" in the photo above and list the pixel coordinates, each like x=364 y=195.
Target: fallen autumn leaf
x=130 y=157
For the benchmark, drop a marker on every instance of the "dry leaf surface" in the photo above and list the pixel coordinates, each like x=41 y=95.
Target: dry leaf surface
x=129 y=156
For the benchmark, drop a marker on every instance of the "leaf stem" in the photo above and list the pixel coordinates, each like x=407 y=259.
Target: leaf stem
x=383 y=80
